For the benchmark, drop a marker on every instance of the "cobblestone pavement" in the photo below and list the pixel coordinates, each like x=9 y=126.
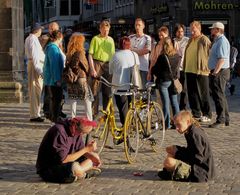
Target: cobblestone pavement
x=19 y=141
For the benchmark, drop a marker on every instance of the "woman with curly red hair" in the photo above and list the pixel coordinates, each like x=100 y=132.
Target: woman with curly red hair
x=77 y=60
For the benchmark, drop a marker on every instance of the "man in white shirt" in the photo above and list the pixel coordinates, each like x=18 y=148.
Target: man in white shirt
x=141 y=44
x=180 y=43
x=35 y=56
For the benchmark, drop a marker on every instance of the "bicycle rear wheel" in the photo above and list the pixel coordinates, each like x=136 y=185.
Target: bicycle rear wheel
x=101 y=132
x=156 y=126
x=131 y=137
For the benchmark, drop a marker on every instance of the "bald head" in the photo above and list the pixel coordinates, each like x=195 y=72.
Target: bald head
x=53 y=26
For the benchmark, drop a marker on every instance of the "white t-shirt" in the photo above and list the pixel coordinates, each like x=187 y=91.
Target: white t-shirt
x=140 y=43
x=180 y=46
x=120 y=66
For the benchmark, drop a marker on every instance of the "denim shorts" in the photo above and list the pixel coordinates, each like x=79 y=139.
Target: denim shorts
x=182 y=171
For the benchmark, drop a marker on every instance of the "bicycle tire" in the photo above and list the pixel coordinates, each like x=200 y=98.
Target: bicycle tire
x=131 y=137
x=156 y=126
x=101 y=132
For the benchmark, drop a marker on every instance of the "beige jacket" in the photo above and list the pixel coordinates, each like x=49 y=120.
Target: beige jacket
x=202 y=55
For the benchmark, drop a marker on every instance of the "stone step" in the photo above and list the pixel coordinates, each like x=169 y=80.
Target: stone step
x=6 y=76
x=11 y=92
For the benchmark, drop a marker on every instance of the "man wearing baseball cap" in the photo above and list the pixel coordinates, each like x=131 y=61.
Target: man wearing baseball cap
x=220 y=73
x=62 y=155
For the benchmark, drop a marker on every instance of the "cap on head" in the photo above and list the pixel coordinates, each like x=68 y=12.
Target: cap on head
x=36 y=26
x=83 y=121
x=219 y=25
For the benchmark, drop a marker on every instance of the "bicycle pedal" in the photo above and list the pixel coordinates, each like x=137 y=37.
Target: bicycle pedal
x=153 y=142
x=147 y=137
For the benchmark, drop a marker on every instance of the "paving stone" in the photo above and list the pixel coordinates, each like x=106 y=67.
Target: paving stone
x=20 y=139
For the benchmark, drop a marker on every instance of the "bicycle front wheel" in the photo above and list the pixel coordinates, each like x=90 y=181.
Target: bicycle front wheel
x=156 y=126
x=101 y=132
x=131 y=137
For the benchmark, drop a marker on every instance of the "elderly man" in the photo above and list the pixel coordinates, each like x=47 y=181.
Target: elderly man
x=220 y=73
x=35 y=55
x=62 y=155
x=195 y=65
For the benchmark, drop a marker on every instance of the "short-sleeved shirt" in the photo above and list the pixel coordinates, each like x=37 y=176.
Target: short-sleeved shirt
x=102 y=48
x=220 y=50
x=139 y=43
x=121 y=68
x=56 y=145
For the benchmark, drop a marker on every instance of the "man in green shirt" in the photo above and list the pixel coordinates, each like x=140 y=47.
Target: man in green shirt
x=101 y=51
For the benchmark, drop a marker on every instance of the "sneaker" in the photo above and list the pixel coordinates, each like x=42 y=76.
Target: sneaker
x=216 y=125
x=165 y=175
x=93 y=172
x=205 y=119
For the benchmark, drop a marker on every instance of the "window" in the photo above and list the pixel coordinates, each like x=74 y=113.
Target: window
x=64 y=8
x=75 y=7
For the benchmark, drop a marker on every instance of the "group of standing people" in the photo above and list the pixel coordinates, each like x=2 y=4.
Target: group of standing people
x=194 y=61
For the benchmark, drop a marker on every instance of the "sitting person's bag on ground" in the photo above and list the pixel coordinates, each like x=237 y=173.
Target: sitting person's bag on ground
x=135 y=76
x=176 y=83
x=68 y=75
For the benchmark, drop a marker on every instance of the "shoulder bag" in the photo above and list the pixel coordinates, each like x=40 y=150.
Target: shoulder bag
x=176 y=83
x=135 y=76
x=68 y=75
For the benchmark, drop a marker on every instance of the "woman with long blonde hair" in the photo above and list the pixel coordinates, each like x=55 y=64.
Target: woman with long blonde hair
x=166 y=69
x=77 y=60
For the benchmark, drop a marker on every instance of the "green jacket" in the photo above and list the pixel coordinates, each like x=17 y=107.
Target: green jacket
x=202 y=55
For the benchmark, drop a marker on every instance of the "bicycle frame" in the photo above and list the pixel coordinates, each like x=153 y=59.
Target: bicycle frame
x=111 y=120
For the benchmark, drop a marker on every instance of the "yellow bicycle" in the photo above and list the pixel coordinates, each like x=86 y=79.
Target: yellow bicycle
x=144 y=123
x=145 y=116
x=107 y=124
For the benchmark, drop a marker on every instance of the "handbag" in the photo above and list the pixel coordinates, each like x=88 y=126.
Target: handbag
x=68 y=75
x=176 y=83
x=135 y=76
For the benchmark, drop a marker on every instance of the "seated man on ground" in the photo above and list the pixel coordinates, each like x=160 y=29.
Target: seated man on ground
x=191 y=163
x=62 y=156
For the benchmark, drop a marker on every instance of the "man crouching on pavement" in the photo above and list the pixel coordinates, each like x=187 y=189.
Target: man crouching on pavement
x=62 y=156
x=192 y=163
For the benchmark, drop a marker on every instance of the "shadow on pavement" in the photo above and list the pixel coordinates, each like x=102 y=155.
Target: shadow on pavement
x=19 y=173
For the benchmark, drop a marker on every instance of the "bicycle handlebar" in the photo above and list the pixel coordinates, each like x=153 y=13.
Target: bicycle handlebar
x=107 y=83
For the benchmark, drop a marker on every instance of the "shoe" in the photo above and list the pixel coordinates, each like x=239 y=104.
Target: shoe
x=46 y=115
x=205 y=119
x=165 y=175
x=117 y=141
x=216 y=125
x=38 y=119
x=93 y=172
x=63 y=115
x=232 y=89
x=227 y=123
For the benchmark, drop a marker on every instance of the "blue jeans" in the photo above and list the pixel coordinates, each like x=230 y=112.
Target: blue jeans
x=166 y=99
